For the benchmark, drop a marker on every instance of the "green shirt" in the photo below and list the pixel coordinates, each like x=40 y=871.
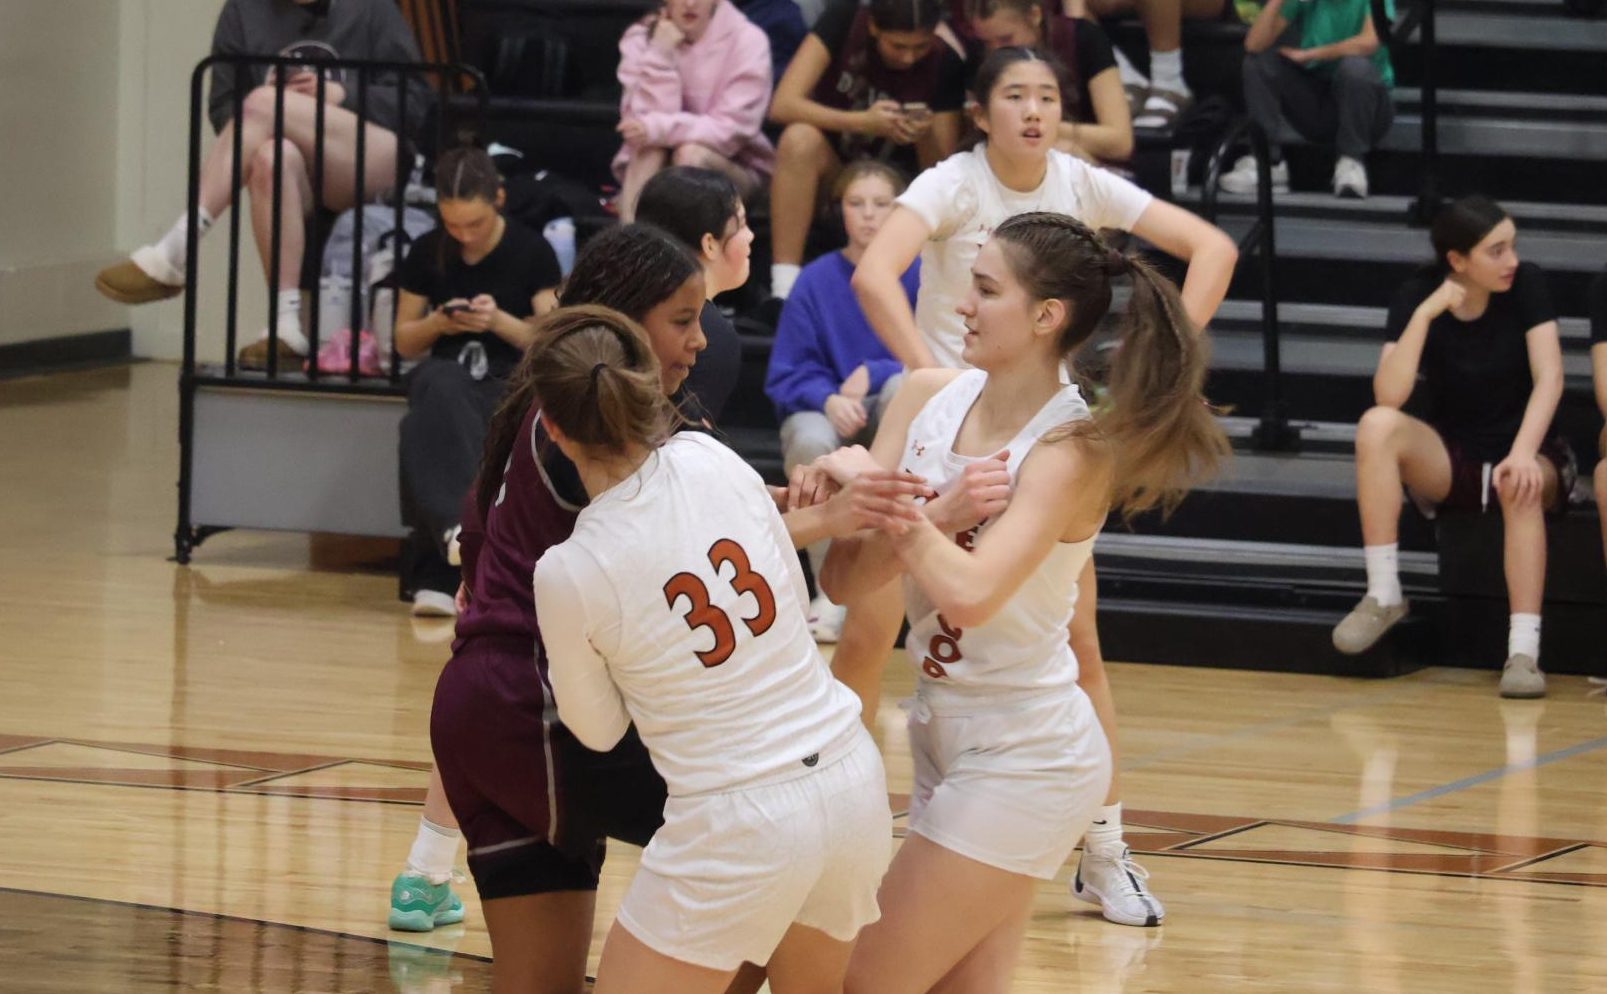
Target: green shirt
x=1324 y=22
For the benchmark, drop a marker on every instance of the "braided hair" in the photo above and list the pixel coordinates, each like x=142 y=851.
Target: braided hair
x=1164 y=435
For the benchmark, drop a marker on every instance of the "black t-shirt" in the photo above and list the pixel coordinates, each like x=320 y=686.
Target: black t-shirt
x=521 y=265
x=1084 y=50
x=1477 y=372
x=715 y=373
x=1598 y=310
x=857 y=77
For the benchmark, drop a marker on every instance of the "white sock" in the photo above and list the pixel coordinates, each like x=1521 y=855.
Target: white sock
x=1105 y=834
x=172 y=244
x=434 y=850
x=1166 y=71
x=1523 y=635
x=1383 y=573
x=1128 y=72
x=782 y=276
x=290 y=320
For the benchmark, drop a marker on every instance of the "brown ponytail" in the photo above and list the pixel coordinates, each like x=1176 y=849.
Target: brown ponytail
x=631 y=268
x=598 y=379
x=1164 y=435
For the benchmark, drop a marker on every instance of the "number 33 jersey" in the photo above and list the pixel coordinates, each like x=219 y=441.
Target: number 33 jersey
x=1023 y=647
x=678 y=603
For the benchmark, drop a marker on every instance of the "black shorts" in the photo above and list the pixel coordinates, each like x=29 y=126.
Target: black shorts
x=1473 y=479
x=535 y=805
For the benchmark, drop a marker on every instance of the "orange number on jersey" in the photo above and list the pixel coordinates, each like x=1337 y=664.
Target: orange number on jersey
x=945 y=647
x=702 y=614
x=746 y=581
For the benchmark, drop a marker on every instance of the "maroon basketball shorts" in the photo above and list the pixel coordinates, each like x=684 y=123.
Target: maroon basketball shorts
x=534 y=804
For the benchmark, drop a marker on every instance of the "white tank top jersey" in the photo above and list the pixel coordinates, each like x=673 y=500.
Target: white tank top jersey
x=679 y=604
x=1023 y=647
x=961 y=201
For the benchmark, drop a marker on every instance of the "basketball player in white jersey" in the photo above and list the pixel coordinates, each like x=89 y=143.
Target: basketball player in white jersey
x=1010 y=761
x=945 y=216
x=678 y=604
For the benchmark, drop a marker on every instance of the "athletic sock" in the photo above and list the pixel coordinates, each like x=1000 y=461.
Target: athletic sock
x=434 y=850
x=290 y=320
x=1104 y=836
x=1129 y=73
x=1523 y=636
x=172 y=244
x=1166 y=71
x=782 y=276
x=1383 y=573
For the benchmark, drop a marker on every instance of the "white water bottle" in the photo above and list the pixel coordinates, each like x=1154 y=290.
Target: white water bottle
x=334 y=306
x=560 y=234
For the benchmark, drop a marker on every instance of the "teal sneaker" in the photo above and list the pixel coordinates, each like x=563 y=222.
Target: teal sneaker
x=419 y=906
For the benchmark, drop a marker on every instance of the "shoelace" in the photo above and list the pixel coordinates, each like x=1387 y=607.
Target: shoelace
x=1133 y=874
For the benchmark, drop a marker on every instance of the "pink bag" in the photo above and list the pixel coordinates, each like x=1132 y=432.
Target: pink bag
x=336 y=354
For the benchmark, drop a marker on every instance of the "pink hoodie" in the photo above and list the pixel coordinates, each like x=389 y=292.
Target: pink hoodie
x=714 y=92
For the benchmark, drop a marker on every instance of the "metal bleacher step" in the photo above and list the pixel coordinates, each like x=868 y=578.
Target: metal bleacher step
x=1345 y=322
x=1507 y=103
x=1537 y=26
x=1394 y=209
x=1284 y=563
x=1250 y=605
x=1382 y=242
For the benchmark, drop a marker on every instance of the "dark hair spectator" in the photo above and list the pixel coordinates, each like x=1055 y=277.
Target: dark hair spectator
x=1332 y=87
x=868 y=82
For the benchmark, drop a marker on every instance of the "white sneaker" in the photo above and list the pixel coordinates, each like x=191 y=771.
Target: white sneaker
x=434 y=604
x=1116 y=884
x=454 y=548
x=1350 y=178
x=826 y=620
x=1242 y=177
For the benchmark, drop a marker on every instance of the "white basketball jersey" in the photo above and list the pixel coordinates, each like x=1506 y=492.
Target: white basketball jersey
x=694 y=598
x=1022 y=647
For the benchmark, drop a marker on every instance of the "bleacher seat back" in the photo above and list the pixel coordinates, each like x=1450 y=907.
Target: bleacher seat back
x=549 y=48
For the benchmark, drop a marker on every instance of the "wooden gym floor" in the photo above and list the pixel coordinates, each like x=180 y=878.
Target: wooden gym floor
x=208 y=776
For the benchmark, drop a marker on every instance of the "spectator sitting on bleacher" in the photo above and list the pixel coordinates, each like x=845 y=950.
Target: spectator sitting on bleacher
x=696 y=81
x=830 y=377
x=702 y=210
x=1333 y=87
x=1095 y=123
x=1479 y=327
x=1159 y=99
x=868 y=82
x=311 y=31
x=1598 y=371
x=468 y=290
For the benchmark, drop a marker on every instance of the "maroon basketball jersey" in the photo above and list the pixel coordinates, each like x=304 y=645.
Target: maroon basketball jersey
x=533 y=510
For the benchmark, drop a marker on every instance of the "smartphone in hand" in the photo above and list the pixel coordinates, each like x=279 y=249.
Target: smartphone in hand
x=917 y=112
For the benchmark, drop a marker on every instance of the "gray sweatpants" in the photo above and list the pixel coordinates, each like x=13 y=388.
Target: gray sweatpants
x=1347 y=106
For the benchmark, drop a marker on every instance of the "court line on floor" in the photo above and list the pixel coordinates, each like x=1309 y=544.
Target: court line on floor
x=1479 y=778
x=247 y=920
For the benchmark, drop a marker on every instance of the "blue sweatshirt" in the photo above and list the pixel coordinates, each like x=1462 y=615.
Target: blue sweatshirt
x=823 y=337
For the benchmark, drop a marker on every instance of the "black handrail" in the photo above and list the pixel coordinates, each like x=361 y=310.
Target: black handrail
x=1273 y=433
x=1421 y=20
x=449 y=77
